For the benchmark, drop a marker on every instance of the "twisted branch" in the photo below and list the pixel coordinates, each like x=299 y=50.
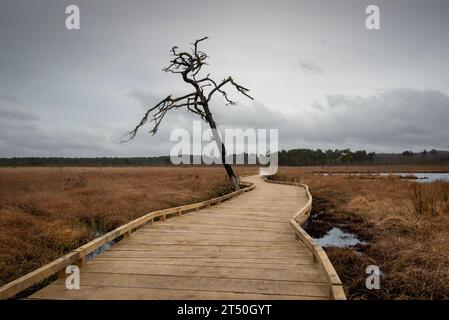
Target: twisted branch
x=188 y=65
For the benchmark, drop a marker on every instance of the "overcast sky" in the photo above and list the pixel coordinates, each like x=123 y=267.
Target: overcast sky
x=317 y=74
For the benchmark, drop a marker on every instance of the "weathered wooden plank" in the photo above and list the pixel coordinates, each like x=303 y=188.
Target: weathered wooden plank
x=181 y=241
x=203 y=284
x=208 y=248
x=202 y=254
x=230 y=225
x=307 y=273
x=279 y=263
x=198 y=232
x=57 y=291
x=193 y=235
x=235 y=222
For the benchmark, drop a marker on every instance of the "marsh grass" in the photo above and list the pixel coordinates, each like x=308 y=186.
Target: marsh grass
x=46 y=212
x=406 y=224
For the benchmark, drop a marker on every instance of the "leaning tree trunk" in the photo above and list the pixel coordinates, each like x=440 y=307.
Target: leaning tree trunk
x=219 y=142
x=188 y=64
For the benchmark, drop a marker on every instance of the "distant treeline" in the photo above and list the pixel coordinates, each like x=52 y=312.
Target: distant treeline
x=293 y=157
x=304 y=157
x=103 y=161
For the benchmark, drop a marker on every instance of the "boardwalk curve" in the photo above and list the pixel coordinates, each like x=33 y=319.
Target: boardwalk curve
x=249 y=247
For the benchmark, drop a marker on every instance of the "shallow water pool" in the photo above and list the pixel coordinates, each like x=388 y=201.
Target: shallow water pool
x=336 y=237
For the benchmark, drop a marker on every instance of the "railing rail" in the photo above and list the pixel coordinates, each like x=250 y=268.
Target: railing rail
x=79 y=255
x=319 y=255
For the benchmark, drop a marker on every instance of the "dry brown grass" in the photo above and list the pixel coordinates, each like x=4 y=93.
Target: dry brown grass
x=406 y=224
x=45 y=212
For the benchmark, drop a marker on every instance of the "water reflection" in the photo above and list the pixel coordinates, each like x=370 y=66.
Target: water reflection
x=336 y=237
x=421 y=177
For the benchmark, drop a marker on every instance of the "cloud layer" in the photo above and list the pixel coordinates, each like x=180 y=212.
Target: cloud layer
x=390 y=120
x=314 y=69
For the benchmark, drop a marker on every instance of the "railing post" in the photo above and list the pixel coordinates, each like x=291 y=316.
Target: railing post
x=81 y=261
x=62 y=274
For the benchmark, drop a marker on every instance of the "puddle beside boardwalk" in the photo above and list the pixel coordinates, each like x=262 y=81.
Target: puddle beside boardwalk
x=328 y=235
x=336 y=237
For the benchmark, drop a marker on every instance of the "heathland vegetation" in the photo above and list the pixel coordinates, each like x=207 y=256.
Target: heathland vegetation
x=46 y=212
x=405 y=226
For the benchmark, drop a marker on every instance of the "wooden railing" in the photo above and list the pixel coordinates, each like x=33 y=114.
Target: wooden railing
x=78 y=256
x=319 y=255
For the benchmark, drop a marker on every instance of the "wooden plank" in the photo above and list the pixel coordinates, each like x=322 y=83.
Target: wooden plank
x=191 y=235
x=203 y=284
x=248 y=216
x=213 y=226
x=209 y=248
x=284 y=264
x=176 y=235
x=202 y=254
x=199 y=242
x=307 y=273
x=233 y=224
x=201 y=229
x=248 y=219
x=117 y=293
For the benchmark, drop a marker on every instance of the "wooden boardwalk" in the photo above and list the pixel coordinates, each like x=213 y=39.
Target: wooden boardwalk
x=244 y=248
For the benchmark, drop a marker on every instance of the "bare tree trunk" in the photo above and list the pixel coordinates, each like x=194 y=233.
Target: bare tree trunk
x=188 y=64
x=217 y=138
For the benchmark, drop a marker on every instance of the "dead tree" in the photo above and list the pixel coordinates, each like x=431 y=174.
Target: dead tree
x=188 y=65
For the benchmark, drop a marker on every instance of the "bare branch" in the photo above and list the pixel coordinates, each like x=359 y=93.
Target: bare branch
x=188 y=65
x=155 y=114
x=218 y=88
x=184 y=62
x=195 y=44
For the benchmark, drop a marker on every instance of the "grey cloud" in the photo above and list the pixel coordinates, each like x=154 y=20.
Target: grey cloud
x=400 y=117
x=22 y=133
x=310 y=67
x=144 y=98
x=247 y=115
x=390 y=120
x=13 y=109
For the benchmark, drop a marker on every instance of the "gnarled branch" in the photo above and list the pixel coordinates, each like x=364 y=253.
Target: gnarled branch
x=188 y=65
x=154 y=115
